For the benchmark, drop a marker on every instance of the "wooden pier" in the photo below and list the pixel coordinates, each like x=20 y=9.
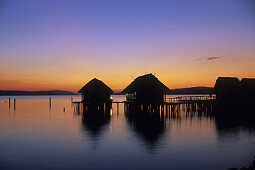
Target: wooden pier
x=170 y=105
x=176 y=100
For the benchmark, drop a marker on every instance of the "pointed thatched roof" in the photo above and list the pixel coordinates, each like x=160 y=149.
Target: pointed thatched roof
x=96 y=85
x=227 y=82
x=146 y=83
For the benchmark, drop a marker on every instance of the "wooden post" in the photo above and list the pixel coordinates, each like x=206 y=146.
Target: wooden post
x=117 y=108
x=50 y=102
x=78 y=109
x=9 y=103
x=14 y=104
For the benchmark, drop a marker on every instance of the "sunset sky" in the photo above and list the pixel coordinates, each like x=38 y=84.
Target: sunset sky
x=62 y=44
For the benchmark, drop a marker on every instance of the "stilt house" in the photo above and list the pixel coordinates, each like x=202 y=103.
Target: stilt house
x=227 y=89
x=96 y=91
x=146 y=89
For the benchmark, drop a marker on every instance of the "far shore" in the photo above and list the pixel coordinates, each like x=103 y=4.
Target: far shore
x=182 y=91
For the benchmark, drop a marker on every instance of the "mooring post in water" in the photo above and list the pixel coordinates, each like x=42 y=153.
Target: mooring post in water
x=50 y=102
x=14 y=104
x=117 y=108
x=71 y=99
x=9 y=103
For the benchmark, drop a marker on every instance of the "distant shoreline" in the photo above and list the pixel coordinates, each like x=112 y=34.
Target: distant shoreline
x=34 y=93
x=182 y=91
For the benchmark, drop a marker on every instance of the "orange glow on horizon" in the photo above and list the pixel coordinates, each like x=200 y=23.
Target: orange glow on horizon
x=174 y=74
x=63 y=45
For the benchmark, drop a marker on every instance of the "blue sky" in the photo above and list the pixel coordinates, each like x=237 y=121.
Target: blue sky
x=148 y=35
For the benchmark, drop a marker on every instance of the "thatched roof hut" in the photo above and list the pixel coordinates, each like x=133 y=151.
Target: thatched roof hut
x=96 y=91
x=227 y=89
x=146 y=89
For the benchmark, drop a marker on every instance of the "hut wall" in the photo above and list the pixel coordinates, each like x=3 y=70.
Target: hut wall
x=248 y=89
x=131 y=97
x=96 y=97
x=152 y=97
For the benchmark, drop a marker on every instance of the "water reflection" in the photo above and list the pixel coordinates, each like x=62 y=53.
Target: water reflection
x=149 y=126
x=204 y=137
x=231 y=119
x=152 y=123
x=94 y=118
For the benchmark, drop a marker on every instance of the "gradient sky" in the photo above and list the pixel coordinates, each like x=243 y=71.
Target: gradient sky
x=62 y=44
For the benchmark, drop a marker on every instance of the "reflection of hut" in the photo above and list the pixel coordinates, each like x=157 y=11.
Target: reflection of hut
x=227 y=89
x=96 y=91
x=248 y=88
x=93 y=120
x=146 y=89
x=148 y=127
x=232 y=118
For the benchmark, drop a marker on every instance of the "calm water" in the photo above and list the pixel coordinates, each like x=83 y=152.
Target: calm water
x=37 y=136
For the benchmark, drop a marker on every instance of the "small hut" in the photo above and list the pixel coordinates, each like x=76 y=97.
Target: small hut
x=146 y=89
x=227 y=89
x=247 y=88
x=96 y=91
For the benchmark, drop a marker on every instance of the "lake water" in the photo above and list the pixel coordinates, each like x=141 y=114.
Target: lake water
x=37 y=135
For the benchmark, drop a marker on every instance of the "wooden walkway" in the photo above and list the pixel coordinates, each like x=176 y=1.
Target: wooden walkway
x=176 y=100
x=169 y=106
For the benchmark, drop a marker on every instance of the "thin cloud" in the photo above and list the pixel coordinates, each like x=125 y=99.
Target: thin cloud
x=213 y=58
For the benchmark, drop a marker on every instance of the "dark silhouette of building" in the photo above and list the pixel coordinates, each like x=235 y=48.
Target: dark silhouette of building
x=96 y=92
x=230 y=89
x=247 y=89
x=227 y=89
x=146 y=89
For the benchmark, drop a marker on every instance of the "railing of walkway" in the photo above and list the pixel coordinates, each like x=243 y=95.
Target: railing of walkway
x=188 y=98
